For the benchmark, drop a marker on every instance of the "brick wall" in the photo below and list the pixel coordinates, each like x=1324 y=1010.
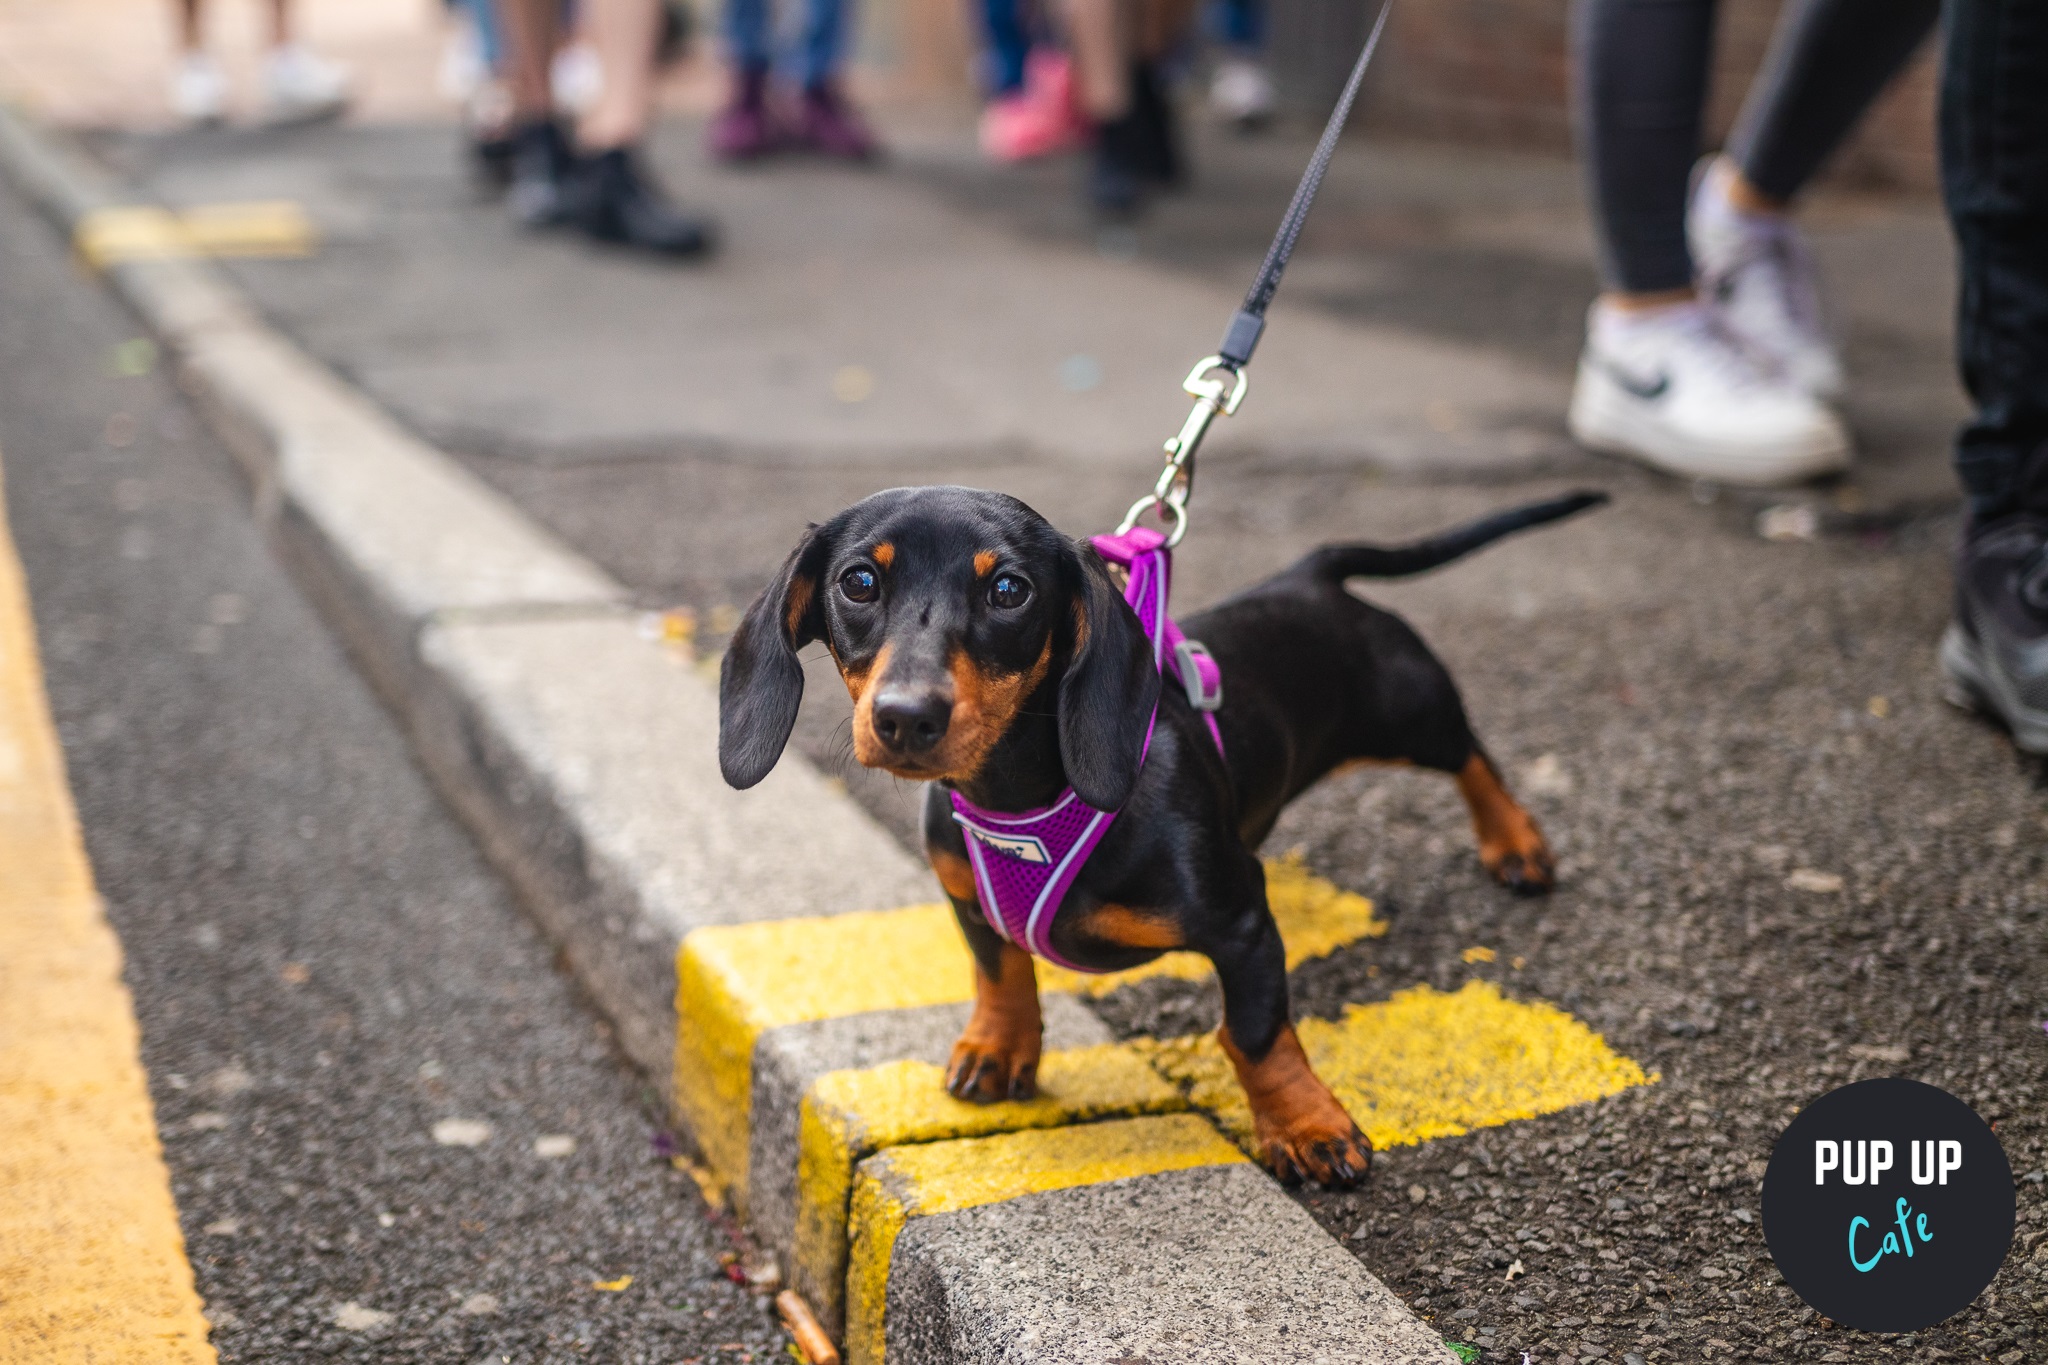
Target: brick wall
x=1494 y=72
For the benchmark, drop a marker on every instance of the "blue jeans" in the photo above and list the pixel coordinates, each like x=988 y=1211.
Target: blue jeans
x=1008 y=29
x=1994 y=177
x=1239 y=24
x=750 y=32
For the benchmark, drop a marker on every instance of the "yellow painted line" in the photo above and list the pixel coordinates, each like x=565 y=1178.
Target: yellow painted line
x=110 y=236
x=734 y=982
x=1425 y=1064
x=850 y=1115
x=92 y=1265
x=939 y=1177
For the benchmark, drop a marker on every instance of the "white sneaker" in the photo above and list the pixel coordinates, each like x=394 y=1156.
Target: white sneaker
x=199 y=92
x=1242 y=92
x=299 y=87
x=1756 y=272
x=1674 y=389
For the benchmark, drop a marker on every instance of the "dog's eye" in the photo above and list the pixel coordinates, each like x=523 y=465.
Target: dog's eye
x=1008 y=592
x=859 y=584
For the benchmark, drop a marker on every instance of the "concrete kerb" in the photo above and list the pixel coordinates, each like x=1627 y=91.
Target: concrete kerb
x=576 y=750
x=582 y=755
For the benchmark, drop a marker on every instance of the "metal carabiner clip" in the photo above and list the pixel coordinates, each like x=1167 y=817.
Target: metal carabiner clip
x=1207 y=388
x=1217 y=387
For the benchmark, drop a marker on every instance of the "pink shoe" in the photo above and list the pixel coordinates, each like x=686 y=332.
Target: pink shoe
x=743 y=130
x=827 y=124
x=1038 y=120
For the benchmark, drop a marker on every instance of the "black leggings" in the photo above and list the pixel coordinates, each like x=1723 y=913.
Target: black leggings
x=1641 y=89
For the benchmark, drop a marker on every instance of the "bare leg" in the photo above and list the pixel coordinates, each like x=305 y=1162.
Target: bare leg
x=625 y=33
x=189 y=36
x=280 y=22
x=1096 y=29
x=530 y=35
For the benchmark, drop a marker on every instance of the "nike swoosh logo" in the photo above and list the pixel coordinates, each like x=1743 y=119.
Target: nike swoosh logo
x=1649 y=390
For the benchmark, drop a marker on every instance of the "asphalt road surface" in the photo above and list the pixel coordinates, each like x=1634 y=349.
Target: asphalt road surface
x=1785 y=865
x=325 y=972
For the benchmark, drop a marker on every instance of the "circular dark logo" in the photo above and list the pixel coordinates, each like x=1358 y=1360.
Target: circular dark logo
x=1888 y=1205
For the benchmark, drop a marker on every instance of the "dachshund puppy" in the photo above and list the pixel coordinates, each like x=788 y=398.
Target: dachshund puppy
x=987 y=653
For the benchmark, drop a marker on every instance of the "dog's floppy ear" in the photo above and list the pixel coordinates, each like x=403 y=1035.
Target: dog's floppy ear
x=1109 y=690
x=762 y=681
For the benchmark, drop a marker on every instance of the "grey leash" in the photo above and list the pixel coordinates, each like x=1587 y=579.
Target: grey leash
x=1218 y=383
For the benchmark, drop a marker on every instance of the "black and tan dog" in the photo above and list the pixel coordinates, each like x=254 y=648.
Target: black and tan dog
x=988 y=653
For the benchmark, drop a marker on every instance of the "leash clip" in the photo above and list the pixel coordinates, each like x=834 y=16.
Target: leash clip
x=1217 y=386
x=1207 y=384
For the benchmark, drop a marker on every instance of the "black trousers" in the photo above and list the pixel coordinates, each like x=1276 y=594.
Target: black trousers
x=1640 y=91
x=1994 y=173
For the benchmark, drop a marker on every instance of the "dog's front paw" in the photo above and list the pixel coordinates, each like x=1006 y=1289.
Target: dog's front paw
x=986 y=1070
x=1325 y=1148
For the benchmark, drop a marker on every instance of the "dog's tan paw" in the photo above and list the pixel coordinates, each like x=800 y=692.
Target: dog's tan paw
x=1525 y=871
x=1329 y=1151
x=987 y=1070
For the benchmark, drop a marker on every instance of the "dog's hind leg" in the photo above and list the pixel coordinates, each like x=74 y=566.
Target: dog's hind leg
x=1412 y=713
x=1511 y=847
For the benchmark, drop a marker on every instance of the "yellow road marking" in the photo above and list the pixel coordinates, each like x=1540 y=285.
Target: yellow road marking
x=1425 y=1064
x=734 y=982
x=91 y=1259
x=939 y=1177
x=110 y=236
x=850 y=1115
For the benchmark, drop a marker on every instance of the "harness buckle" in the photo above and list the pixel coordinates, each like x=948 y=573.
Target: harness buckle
x=1199 y=673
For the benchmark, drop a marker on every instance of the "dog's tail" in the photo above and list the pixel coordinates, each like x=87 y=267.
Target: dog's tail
x=1335 y=563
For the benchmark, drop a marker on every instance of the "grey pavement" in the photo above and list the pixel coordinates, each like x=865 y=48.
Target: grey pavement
x=1785 y=863
x=323 y=967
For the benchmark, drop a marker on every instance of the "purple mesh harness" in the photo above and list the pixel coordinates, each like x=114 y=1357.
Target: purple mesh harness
x=1025 y=862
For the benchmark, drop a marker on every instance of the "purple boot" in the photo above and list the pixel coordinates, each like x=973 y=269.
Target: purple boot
x=827 y=124
x=743 y=130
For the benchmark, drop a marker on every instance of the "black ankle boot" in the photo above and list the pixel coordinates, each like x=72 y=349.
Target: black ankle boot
x=542 y=168
x=1157 y=133
x=616 y=202
x=1117 y=178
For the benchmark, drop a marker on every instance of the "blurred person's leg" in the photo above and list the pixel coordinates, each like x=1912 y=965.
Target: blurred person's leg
x=542 y=162
x=1008 y=44
x=1117 y=46
x=1994 y=163
x=625 y=34
x=745 y=128
x=473 y=74
x=298 y=86
x=199 y=90
x=615 y=199
x=1031 y=110
x=1828 y=61
x=825 y=121
x=1239 y=88
x=1661 y=378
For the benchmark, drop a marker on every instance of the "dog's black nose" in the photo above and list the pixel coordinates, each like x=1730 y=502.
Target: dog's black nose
x=911 y=720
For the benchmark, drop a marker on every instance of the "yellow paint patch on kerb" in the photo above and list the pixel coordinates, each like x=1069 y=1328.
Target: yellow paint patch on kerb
x=850 y=1115
x=111 y=236
x=1316 y=918
x=733 y=982
x=92 y=1265
x=903 y=1183
x=1425 y=1064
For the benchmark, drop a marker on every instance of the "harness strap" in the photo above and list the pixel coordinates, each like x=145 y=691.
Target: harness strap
x=1025 y=862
